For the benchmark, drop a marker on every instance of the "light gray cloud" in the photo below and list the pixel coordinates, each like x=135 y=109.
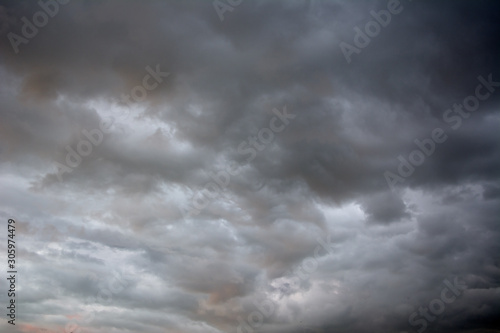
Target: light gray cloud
x=121 y=209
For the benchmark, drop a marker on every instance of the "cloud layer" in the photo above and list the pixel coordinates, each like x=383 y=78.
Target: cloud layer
x=191 y=202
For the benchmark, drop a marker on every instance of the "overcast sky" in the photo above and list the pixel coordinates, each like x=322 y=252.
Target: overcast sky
x=251 y=166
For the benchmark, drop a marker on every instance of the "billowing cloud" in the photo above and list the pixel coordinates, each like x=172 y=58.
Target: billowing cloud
x=233 y=166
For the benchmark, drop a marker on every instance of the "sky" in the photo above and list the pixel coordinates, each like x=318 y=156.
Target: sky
x=240 y=166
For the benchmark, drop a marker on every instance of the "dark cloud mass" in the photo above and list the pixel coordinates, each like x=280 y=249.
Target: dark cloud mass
x=227 y=166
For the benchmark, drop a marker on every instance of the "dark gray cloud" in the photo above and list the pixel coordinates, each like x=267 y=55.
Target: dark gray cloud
x=194 y=205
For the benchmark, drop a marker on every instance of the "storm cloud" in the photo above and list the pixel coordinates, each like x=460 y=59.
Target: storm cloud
x=227 y=166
